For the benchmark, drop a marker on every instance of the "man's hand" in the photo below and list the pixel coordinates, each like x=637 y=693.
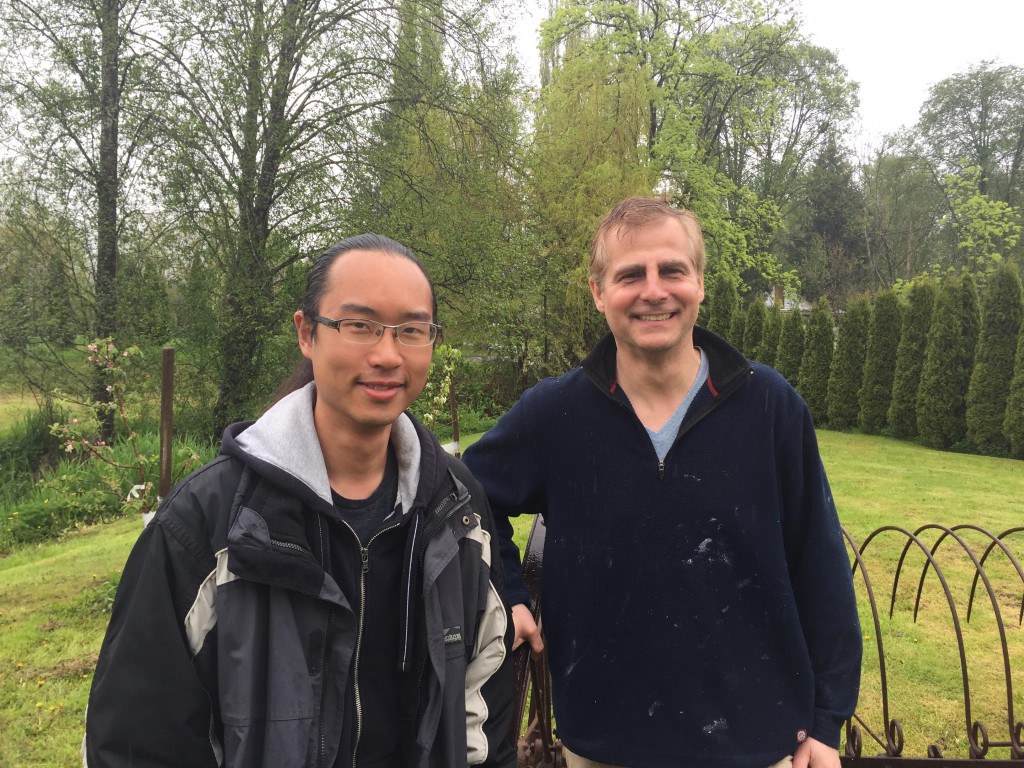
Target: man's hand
x=813 y=754
x=526 y=629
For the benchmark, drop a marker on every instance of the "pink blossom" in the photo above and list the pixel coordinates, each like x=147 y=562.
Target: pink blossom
x=91 y=348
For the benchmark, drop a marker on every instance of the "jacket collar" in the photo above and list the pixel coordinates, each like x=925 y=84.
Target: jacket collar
x=727 y=367
x=283 y=445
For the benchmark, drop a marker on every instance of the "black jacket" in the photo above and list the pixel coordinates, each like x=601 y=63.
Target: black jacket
x=235 y=634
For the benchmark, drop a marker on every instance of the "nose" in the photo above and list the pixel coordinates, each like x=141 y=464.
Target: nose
x=653 y=289
x=387 y=352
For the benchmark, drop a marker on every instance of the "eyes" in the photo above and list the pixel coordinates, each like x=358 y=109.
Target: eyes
x=672 y=271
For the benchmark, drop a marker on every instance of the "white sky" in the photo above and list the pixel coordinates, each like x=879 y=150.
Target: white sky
x=895 y=49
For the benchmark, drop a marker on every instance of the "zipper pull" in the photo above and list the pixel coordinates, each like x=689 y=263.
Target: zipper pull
x=661 y=469
x=365 y=554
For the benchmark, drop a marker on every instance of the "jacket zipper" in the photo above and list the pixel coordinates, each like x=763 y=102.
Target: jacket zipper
x=364 y=554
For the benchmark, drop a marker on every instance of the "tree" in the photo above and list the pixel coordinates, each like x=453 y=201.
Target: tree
x=910 y=354
x=269 y=110
x=77 y=87
x=753 y=329
x=816 y=362
x=724 y=304
x=976 y=118
x=985 y=230
x=846 y=375
x=738 y=327
x=903 y=208
x=949 y=356
x=875 y=394
x=993 y=366
x=791 y=346
x=769 y=346
x=827 y=230
x=1013 y=424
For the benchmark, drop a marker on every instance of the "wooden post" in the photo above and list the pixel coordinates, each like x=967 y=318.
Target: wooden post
x=166 y=418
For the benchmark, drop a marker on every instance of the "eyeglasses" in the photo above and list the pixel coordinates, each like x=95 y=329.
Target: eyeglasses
x=362 y=331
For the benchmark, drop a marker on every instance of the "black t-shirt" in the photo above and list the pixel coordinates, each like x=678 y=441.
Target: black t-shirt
x=366 y=516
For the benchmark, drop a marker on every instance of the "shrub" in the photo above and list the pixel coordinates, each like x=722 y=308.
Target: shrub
x=942 y=397
x=846 y=374
x=769 y=346
x=819 y=346
x=1013 y=425
x=723 y=305
x=993 y=366
x=910 y=353
x=753 y=328
x=883 y=342
x=791 y=347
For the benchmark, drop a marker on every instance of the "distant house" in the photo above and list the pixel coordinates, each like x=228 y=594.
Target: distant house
x=787 y=304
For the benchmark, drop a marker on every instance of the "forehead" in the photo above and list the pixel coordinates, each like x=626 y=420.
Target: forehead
x=664 y=239
x=378 y=280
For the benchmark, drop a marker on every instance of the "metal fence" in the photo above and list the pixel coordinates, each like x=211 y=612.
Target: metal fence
x=949 y=574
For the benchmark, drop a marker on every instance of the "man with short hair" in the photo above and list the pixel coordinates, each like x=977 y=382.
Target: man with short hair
x=697 y=597
x=327 y=592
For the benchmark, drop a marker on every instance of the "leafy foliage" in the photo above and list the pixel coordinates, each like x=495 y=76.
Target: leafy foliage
x=753 y=328
x=1013 y=425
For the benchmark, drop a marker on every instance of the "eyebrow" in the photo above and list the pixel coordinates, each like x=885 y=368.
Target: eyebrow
x=361 y=310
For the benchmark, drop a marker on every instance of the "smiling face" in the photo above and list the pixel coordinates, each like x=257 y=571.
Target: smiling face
x=363 y=388
x=650 y=290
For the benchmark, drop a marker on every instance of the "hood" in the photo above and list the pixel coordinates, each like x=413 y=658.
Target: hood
x=283 y=446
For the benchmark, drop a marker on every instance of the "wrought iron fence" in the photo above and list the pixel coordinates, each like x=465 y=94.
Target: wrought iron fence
x=965 y=571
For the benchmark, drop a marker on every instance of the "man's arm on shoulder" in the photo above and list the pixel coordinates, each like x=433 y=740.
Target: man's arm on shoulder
x=504 y=461
x=147 y=706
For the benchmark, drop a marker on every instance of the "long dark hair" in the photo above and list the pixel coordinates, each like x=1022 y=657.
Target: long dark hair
x=316 y=287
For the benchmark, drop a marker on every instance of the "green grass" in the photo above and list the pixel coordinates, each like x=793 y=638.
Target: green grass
x=13 y=407
x=54 y=600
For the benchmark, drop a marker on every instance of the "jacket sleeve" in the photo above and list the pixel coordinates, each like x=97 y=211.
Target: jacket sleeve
x=822 y=583
x=148 y=706
x=490 y=688
x=505 y=462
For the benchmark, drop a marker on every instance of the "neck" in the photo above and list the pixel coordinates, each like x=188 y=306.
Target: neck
x=355 y=460
x=656 y=384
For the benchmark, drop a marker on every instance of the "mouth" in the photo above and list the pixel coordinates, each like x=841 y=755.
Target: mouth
x=655 y=318
x=381 y=390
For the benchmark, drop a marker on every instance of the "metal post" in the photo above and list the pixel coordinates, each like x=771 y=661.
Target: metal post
x=166 y=417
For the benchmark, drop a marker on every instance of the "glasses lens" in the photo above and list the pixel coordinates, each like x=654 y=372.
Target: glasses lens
x=416 y=334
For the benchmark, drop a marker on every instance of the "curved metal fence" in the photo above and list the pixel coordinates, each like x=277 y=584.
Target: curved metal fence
x=943 y=650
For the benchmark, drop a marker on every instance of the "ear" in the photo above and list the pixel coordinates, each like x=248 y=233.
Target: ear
x=304 y=330
x=595 y=291
x=700 y=283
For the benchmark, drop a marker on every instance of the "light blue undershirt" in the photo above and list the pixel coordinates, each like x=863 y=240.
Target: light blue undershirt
x=665 y=436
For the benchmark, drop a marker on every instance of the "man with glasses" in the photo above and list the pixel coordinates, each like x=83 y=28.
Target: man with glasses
x=327 y=592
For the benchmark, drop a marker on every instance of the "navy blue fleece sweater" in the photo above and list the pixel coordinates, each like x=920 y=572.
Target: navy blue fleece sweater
x=699 y=611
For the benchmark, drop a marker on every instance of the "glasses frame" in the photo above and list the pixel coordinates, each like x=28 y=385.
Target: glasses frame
x=379 y=334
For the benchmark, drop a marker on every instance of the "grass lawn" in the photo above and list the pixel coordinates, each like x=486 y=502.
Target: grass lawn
x=13 y=407
x=54 y=603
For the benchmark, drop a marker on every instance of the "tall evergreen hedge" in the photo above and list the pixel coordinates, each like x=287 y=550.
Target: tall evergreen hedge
x=753 y=329
x=739 y=324
x=819 y=346
x=724 y=303
x=791 y=347
x=917 y=320
x=883 y=340
x=993 y=364
x=769 y=346
x=948 y=359
x=847 y=371
x=1013 y=425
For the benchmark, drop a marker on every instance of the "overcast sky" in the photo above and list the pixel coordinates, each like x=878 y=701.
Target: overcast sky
x=895 y=49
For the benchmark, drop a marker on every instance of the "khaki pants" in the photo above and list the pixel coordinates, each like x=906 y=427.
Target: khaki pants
x=575 y=761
